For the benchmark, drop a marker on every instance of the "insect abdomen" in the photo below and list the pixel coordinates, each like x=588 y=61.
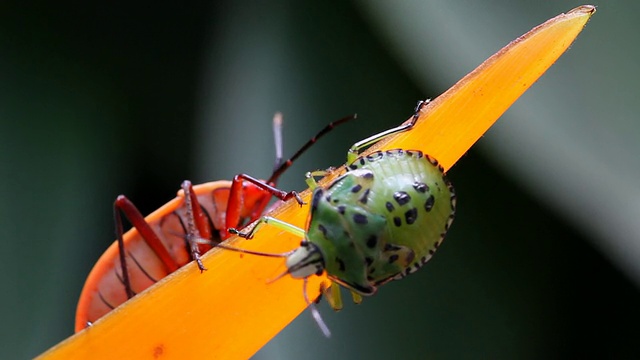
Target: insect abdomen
x=412 y=192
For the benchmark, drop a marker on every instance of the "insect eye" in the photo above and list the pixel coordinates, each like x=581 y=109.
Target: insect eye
x=304 y=243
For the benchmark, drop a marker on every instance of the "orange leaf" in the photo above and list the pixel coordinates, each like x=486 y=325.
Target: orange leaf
x=230 y=311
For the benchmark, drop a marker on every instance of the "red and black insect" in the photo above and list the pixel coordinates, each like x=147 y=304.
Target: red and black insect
x=162 y=242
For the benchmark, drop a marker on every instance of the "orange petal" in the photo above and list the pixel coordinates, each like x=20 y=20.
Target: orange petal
x=230 y=311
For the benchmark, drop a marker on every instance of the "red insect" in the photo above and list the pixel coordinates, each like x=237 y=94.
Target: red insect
x=161 y=243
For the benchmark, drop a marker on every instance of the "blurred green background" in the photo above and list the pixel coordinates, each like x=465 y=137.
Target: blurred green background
x=541 y=261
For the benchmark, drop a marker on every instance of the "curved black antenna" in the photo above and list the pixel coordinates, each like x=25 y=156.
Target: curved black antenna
x=281 y=167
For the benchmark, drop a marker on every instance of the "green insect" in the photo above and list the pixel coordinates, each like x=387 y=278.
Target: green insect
x=380 y=221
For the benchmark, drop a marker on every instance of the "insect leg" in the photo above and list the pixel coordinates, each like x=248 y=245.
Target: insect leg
x=123 y=206
x=121 y=251
x=357 y=147
x=311 y=175
x=332 y=294
x=236 y=198
x=196 y=222
x=357 y=298
x=273 y=222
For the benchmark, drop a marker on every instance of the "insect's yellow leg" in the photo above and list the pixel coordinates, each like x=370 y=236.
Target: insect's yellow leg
x=273 y=222
x=355 y=149
x=332 y=294
x=310 y=178
x=357 y=298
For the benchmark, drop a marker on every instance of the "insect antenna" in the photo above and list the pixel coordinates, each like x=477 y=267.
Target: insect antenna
x=233 y=248
x=281 y=166
x=277 y=137
x=315 y=313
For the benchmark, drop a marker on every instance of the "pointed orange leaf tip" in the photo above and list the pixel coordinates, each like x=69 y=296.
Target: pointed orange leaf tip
x=230 y=311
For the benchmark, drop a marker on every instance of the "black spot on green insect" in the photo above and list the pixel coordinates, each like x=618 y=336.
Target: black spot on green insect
x=397 y=221
x=410 y=216
x=401 y=197
x=389 y=206
x=341 y=209
x=365 y=197
x=428 y=205
x=368 y=261
x=372 y=241
x=393 y=258
x=394 y=153
x=340 y=263
x=375 y=156
x=322 y=229
x=420 y=187
x=356 y=188
x=391 y=247
x=360 y=219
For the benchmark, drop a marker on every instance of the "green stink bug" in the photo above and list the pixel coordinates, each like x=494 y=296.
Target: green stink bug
x=381 y=220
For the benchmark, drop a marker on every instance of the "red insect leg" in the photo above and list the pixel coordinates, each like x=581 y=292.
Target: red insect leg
x=197 y=222
x=197 y=227
x=122 y=205
x=238 y=195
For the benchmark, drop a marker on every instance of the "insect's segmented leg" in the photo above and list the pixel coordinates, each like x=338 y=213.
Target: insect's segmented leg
x=235 y=202
x=311 y=175
x=121 y=252
x=273 y=222
x=122 y=205
x=355 y=149
x=197 y=224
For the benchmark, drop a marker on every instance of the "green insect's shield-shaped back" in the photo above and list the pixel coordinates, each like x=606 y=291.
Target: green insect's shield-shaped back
x=336 y=221
x=381 y=220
